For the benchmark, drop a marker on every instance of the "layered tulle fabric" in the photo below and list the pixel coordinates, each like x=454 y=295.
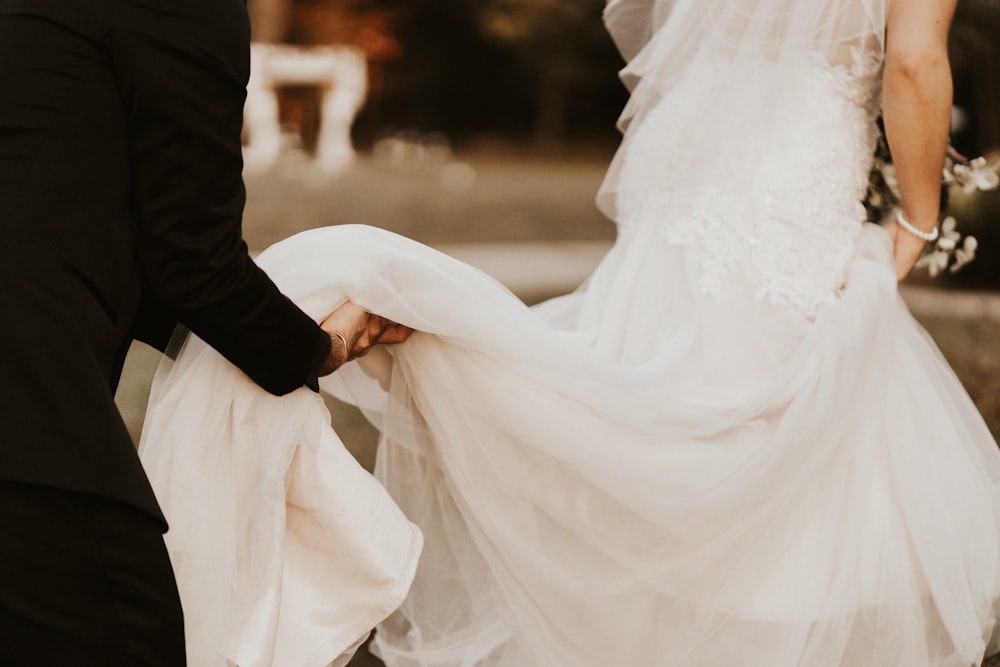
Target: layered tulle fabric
x=641 y=474
x=636 y=473
x=286 y=551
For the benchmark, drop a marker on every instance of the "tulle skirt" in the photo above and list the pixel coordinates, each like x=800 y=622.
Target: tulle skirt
x=285 y=550
x=637 y=474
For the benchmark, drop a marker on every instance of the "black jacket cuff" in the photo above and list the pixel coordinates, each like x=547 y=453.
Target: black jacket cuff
x=323 y=347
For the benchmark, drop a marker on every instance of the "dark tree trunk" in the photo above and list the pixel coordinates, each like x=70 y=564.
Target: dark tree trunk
x=552 y=106
x=269 y=20
x=989 y=103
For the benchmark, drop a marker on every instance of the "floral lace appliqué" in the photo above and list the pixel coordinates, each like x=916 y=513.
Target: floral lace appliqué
x=774 y=195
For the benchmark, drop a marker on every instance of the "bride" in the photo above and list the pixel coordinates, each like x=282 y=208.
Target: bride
x=731 y=446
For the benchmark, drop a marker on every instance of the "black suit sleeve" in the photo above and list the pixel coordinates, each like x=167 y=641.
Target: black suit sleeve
x=182 y=68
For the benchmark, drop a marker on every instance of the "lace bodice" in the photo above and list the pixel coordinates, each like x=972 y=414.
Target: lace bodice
x=774 y=196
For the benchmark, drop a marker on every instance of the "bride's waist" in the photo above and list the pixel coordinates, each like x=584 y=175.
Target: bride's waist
x=713 y=213
x=798 y=258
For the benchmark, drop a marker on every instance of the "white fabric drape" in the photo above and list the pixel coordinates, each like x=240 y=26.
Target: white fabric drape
x=285 y=550
x=691 y=482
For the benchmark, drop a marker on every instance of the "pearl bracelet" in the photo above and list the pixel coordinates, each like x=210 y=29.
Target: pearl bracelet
x=930 y=236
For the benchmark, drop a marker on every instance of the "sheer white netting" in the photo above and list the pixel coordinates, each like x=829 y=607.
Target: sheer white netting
x=640 y=475
x=750 y=125
x=666 y=41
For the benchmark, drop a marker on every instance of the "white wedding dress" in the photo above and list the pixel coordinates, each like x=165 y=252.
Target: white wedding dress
x=732 y=446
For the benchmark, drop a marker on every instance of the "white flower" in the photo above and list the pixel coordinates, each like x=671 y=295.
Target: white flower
x=889 y=175
x=949 y=237
x=935 y=262
x=948 y=246
x=978 y=175
x=951 y=252
x=965 y=254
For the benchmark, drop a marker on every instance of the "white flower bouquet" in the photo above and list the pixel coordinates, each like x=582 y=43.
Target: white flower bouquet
x=952 y=250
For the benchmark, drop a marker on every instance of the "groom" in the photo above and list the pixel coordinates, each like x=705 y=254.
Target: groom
x=120 y=214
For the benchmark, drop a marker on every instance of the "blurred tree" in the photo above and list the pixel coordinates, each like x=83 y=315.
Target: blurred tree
x=562 y=43
x=269 y=19
x=542 y=69
x=975 y=56
x=462 y=72
x=446 y=76
x=358 y=23
x=975 y=46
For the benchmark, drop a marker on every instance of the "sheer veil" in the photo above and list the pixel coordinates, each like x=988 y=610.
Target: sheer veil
x=673 y=45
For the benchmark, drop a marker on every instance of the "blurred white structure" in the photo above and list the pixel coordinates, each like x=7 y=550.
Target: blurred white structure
x=339 y=72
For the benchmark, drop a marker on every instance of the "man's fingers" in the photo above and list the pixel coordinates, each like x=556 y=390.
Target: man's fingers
x=393 y=334
x=349 y=320
x=364 y=330
x=363 y=343
x=389 y=332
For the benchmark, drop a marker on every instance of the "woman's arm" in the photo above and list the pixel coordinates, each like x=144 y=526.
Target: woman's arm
x=917 y=98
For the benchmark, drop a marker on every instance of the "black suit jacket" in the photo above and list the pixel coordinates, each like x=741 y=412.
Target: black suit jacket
x=121 y=199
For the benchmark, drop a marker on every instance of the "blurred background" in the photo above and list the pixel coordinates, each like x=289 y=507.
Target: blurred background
x=539 y=72
x=484 y=127
x=535 y=80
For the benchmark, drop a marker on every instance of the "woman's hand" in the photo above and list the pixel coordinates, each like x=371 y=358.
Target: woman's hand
x=354 y=331
x=906 y=249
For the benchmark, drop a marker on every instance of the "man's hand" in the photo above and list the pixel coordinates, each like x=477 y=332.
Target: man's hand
x=354 y=331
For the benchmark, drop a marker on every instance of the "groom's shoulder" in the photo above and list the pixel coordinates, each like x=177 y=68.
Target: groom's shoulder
x=56 y=20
